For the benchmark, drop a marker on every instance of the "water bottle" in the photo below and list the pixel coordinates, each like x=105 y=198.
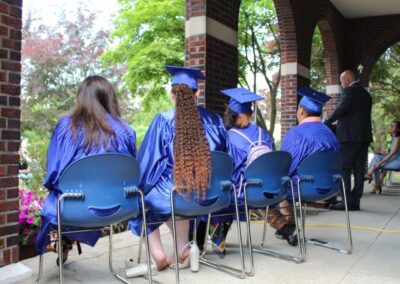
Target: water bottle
x=194 y=257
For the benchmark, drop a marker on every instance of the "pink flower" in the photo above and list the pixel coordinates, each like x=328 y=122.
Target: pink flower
x=21 y=191
x=30 y=220
x=26 y=231
x=22 y=216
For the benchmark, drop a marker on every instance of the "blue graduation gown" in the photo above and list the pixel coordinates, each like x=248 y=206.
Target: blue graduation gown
x=156 y=160
x=62 y=151
x=240 y=149
x=305 y=139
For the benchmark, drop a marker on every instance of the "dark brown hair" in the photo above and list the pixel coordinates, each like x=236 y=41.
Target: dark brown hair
x=192 y=158
x=95 y=98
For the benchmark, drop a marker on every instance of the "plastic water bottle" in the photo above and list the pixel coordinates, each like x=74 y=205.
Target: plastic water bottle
x=194 y=257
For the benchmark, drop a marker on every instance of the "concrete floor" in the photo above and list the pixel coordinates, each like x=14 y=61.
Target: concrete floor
x=375 y=257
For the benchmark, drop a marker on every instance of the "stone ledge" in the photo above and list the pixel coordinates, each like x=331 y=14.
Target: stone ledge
x=14 y=272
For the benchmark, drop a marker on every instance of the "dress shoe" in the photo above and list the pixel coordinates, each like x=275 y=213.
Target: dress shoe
x=340 y=206
x=289 y=233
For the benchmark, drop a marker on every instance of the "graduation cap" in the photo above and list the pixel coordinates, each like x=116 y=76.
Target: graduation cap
x=184 y=75
x=312 y=100
x=241 y=99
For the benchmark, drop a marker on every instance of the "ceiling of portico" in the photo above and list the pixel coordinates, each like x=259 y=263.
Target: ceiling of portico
x=367 y=8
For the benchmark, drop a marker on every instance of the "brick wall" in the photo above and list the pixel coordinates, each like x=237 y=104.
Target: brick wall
x=10 y=69
x=216 y=58
x=367 y=39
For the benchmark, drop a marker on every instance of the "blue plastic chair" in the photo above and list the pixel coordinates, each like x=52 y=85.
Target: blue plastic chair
x=98 y=191
x=267 y=182
x=320 y=178
x=218 y=197
x=390 y=166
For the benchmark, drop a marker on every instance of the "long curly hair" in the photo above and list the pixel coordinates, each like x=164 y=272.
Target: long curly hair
x=95 y=98
x=192 y=157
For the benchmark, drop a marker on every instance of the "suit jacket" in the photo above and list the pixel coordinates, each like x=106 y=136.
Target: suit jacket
x=353 y=114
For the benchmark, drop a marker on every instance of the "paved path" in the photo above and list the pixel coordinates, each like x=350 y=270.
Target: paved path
x=375 y=259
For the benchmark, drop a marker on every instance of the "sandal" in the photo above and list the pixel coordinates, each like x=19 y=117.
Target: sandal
x=67 y=246
x=368 y=178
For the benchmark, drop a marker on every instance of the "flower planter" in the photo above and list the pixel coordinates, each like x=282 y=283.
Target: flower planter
x=27 y=251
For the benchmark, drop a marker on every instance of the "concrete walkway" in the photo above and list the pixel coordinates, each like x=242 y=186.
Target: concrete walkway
x=375 y=258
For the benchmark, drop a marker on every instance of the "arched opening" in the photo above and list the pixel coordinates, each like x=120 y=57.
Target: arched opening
x=324 y=71
x=384 y=84
x=259 y=49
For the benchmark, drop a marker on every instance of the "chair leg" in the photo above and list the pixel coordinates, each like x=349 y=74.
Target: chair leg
x=174 y=236
x=350 y=241
x=274 y=253
x=146 y=238
x=239 y=273
x=139 y=258
x=265 y=227
x=60 y=243
x=40 y=269
x=110 y=265
x=249 y=241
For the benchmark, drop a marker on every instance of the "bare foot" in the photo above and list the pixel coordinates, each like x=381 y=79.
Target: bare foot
x=161 y=264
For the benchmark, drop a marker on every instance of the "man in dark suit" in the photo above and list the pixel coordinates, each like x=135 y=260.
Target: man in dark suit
x=353 y=130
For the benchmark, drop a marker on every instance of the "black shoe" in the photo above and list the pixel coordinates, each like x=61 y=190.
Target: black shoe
x=278 y=235
x=288 y=232
x=340 y=207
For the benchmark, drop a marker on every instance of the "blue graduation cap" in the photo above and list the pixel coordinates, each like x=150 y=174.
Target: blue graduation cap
x=312 y=100
x=184 y=75
x=241 y=99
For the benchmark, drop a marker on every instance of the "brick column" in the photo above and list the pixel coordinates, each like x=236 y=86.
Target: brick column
x=10 y=70
x=211 y=45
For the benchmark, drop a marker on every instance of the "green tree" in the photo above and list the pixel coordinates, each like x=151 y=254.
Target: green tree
x=148 y=34
x=55 y=60
x=259 y=51
x=318 y=68
x=385 y=90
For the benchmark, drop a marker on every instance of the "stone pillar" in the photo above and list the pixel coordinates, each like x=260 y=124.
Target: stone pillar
x=10 y=114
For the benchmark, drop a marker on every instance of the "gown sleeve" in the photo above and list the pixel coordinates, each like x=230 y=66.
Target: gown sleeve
x=153 y=155
x=60 y=153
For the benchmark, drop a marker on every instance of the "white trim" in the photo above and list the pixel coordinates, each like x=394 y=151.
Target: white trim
x=202 y=25
x=294 y=68
x=333 y=89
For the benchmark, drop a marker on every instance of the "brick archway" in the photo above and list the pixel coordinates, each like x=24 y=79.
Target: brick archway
x=331 y=63
x=290 y=69
x=376 y=50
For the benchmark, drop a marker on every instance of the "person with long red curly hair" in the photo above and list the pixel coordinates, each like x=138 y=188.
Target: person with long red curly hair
x=176 y=153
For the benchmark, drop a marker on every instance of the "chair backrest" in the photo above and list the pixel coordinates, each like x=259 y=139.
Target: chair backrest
x=320 y=176
x=105 y=180
x=267 y=179
x=218 y=195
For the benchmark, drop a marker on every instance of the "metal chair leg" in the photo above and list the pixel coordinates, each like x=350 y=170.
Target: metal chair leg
x=274 y=253
x=40 y=269
x=265 y=226
x=350 y=241
x=146 y=239
x=174 y=236
x=249 y=241
x=239 y=273
x=139 y=258
x=110 y=266
x=60 y=243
